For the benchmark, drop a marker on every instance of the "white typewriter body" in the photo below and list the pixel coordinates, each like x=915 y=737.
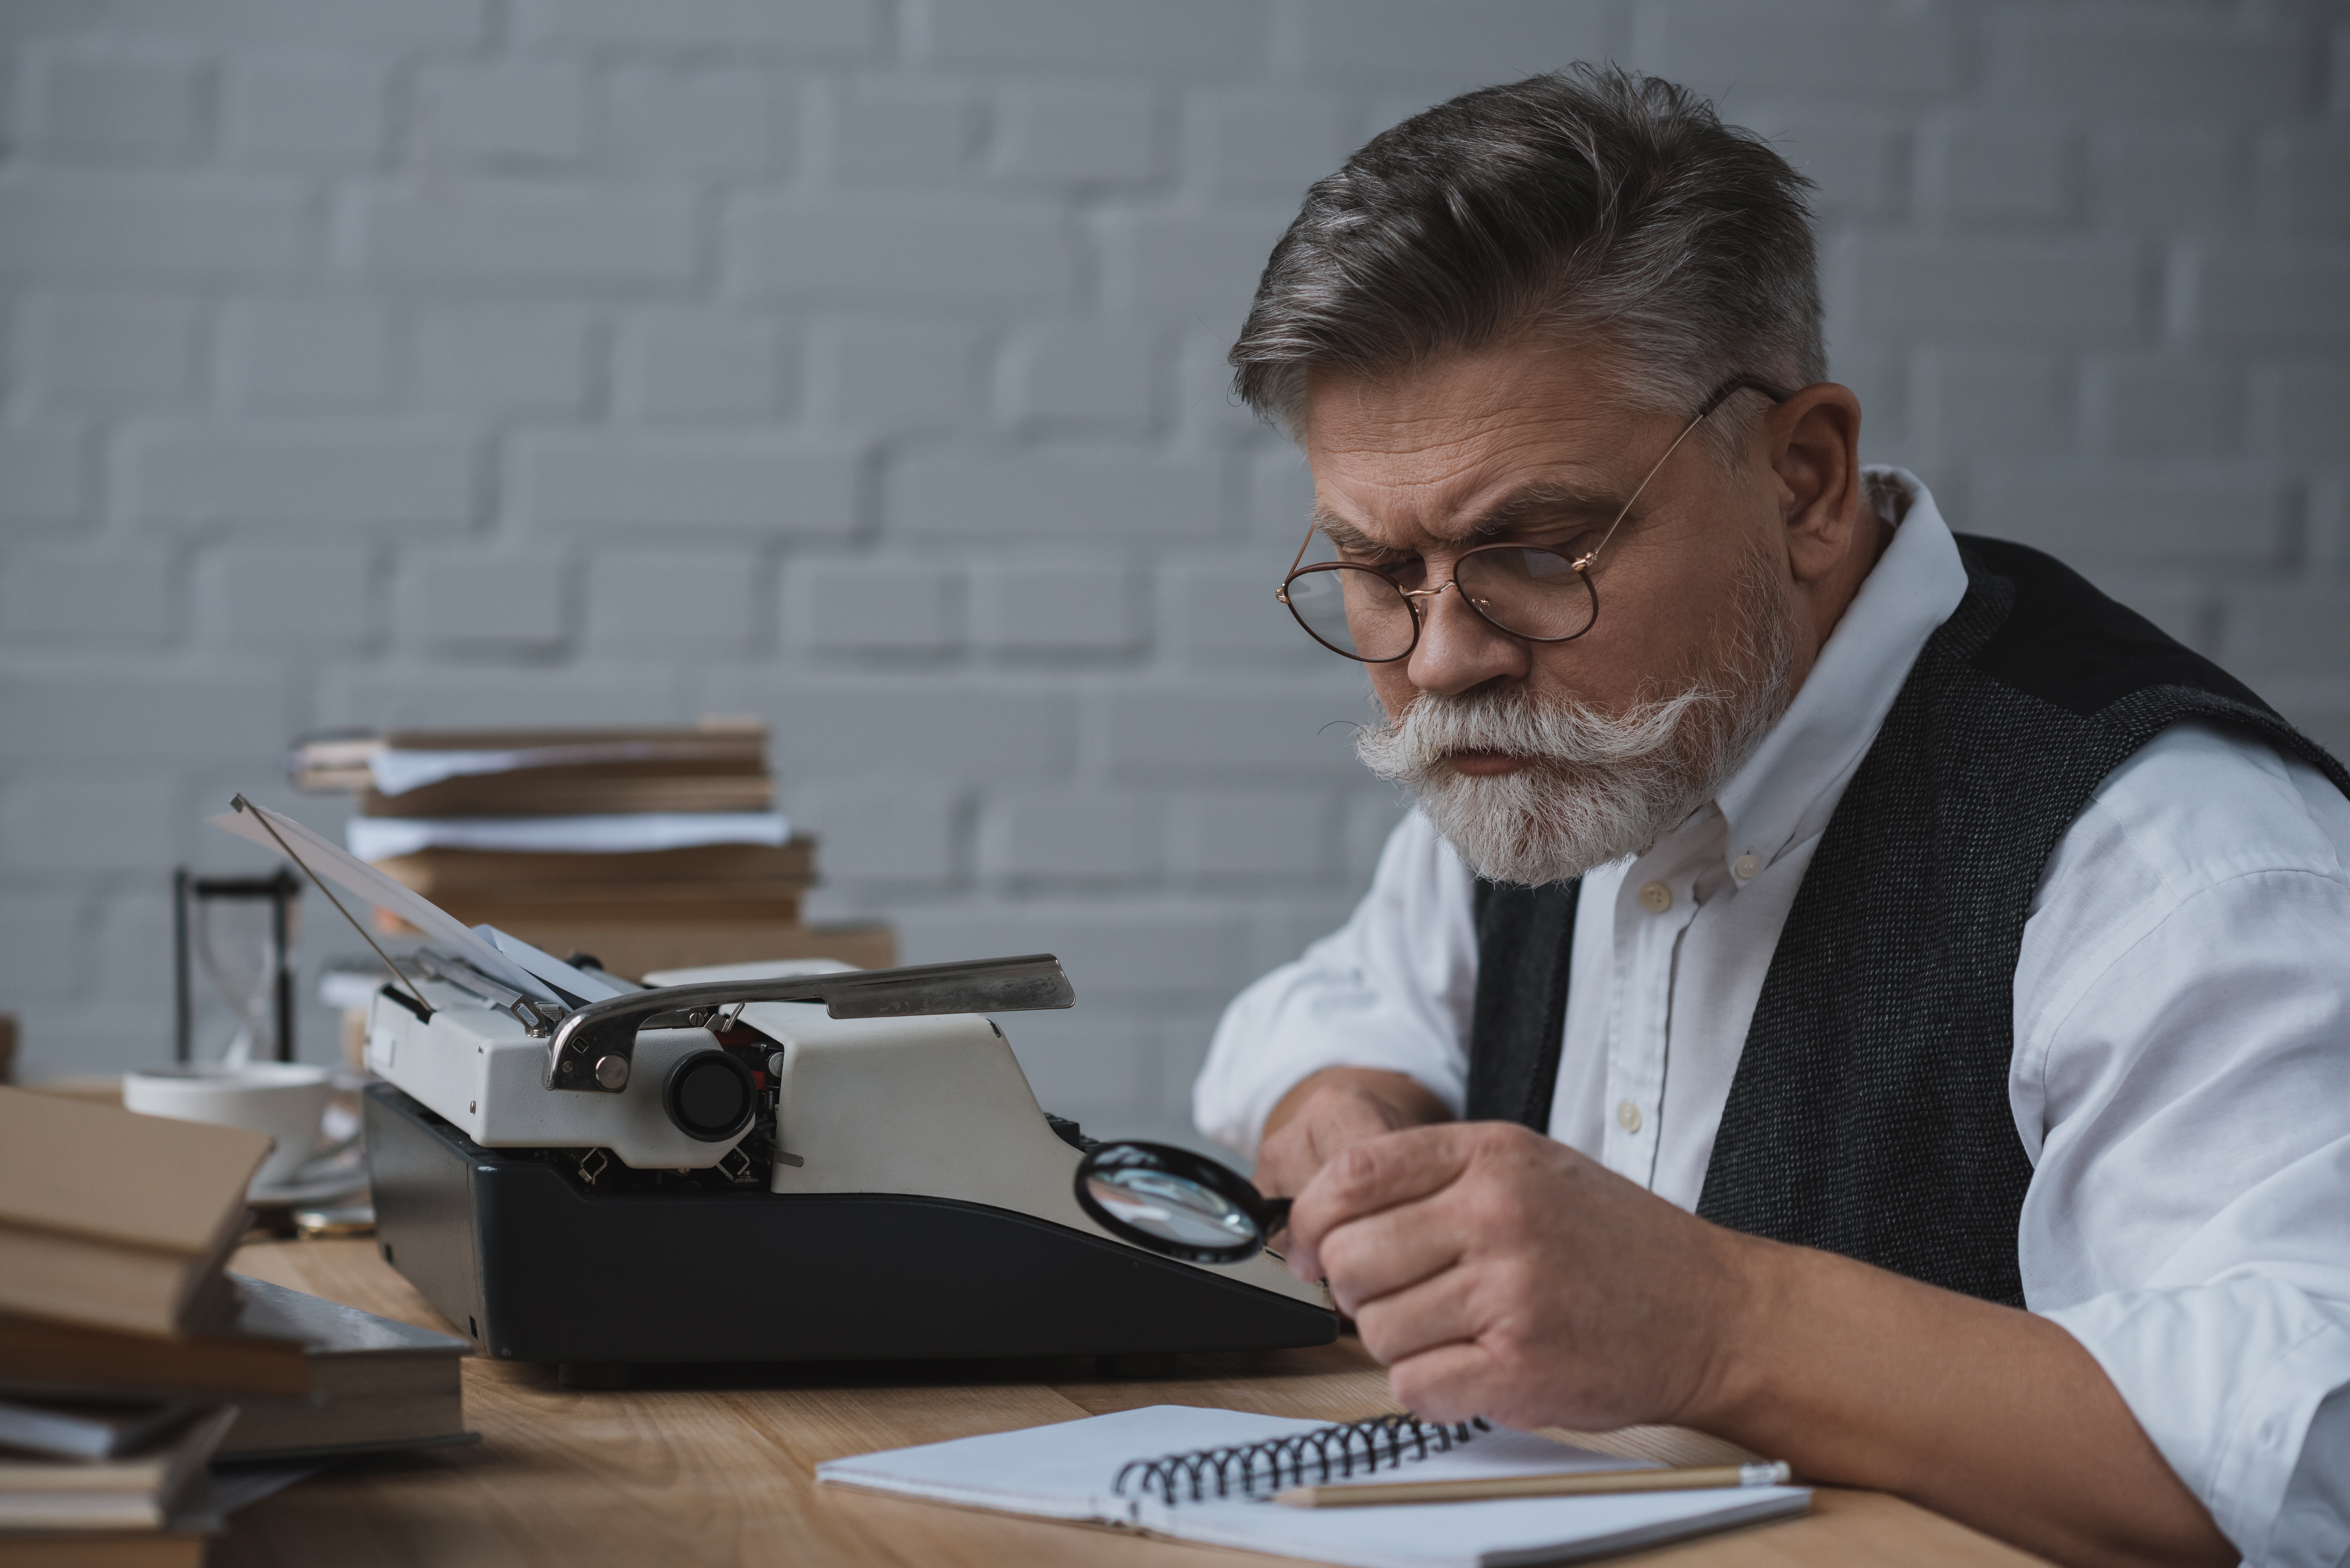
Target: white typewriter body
x=786 y=1162
x=931 y=1107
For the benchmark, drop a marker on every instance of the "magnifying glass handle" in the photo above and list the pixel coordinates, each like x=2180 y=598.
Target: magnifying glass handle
x=1272 y=1214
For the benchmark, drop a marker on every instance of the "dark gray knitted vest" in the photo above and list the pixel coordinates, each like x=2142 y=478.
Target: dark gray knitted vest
x=1868 y=1115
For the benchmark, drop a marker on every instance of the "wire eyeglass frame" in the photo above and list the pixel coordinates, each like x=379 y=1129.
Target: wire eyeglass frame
x=1579 y=565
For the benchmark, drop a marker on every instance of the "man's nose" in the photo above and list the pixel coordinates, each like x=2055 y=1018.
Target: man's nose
x=1460 y=649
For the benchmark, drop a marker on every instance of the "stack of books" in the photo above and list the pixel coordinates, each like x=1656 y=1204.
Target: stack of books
x=645 y=850
x=133 y=1367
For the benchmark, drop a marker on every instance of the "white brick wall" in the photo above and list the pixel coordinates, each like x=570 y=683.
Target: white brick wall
x=855 y=363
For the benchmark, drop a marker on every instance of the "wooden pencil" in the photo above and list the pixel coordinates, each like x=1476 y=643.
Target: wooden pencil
x=1571 y=1483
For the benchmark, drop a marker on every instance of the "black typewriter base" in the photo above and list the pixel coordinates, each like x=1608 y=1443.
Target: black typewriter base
x=535 y=1270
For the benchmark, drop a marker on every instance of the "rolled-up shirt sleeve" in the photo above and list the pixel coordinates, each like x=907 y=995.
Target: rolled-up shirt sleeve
x=2235 y=1358
x=2187 y=1078
x=1390 y=988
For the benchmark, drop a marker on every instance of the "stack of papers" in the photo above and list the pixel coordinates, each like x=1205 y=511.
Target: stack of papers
x=646 y=848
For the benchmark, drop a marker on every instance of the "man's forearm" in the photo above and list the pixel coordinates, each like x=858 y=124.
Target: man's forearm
x=1984 y=1413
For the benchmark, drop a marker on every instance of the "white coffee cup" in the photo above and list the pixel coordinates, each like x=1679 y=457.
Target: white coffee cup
x=287 y=1100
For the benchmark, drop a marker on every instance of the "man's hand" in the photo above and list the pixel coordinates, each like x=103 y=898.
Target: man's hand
x=1331 y=1110
x=1499 y=1273
x=1466 y=1255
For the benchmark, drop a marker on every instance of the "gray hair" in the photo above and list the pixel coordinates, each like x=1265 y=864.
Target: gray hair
x=1588 y=203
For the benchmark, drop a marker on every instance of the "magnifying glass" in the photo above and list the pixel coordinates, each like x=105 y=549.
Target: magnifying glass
x=1178 y=1203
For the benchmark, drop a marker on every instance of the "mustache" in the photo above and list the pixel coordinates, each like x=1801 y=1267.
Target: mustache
x=1417 y=745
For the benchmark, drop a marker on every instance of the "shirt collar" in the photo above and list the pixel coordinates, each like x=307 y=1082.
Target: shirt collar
x=1789 y=787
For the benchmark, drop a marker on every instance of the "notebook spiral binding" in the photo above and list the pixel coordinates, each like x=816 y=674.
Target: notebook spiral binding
x=1329 y=1453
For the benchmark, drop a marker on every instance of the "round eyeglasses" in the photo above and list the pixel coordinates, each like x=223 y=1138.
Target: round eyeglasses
x=1541 y=595
x=1365 y=614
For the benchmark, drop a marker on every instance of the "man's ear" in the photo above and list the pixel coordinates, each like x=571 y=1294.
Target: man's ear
x=1814 y=445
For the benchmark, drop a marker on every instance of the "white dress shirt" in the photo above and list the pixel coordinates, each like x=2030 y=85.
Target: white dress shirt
x=2182 y=1073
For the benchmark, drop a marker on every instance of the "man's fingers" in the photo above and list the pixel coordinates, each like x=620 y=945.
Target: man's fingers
x=1446 y=1357
x=1439 y=1310
x=1376 y=1173
x=1379 y=1254
x=1451 y=1382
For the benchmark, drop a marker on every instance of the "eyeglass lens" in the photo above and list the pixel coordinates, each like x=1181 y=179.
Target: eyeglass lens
x=1363 y=615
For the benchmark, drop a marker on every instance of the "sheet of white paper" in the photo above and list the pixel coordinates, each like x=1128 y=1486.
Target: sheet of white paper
x=380 y=837
x=1065 y=1471
x=336 y=864
x=1496 y=1533
x=1068 y=1470
x=586 y=984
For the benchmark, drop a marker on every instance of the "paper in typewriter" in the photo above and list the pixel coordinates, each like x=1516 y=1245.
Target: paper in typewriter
x=1065 y=1472
x=507 y=959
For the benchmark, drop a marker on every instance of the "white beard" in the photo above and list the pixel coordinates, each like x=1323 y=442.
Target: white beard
x=1596 y=786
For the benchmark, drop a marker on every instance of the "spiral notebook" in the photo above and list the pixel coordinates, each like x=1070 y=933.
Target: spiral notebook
x=1109 y=1469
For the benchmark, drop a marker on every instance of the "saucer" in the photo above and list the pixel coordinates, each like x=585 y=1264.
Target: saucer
x=333 y=1174
x=323 y=1189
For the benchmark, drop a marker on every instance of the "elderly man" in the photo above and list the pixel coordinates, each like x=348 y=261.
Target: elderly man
x=1847 y=987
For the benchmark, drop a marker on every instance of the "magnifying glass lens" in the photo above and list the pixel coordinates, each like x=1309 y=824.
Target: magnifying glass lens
x=1173 y=1209
x=1177 y=1202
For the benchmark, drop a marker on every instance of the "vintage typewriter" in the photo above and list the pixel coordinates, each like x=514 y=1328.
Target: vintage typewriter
x=755 y=1163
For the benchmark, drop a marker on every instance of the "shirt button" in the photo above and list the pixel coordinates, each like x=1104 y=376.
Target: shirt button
x=1627 y=1116
x=1745 y=866
x=1657 y=897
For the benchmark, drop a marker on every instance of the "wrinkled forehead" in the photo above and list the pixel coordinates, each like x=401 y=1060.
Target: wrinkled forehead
x=1470 y=446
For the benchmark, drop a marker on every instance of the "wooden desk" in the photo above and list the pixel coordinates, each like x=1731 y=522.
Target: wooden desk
x=690 y=1475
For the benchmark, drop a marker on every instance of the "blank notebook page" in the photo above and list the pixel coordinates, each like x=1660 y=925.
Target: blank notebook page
x=1065 y=1472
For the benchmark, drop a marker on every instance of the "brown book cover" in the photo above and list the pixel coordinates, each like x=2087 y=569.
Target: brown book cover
x=339 y=763
x=712 y=737
x=106 y=1549
x=693 y=905
x=113 y=1219
x=440 y=873
x=578 y=792
x=58 y=1358
x=545 y=924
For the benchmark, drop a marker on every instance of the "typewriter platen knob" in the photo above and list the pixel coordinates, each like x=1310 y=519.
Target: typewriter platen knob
x=710 y=1095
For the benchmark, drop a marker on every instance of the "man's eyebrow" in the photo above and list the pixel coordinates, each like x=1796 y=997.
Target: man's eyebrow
x=1345 y=534
x=1540 y=503
x=1532 y=505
